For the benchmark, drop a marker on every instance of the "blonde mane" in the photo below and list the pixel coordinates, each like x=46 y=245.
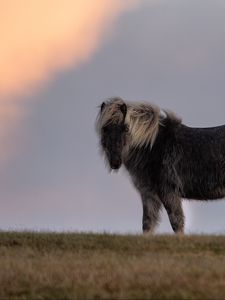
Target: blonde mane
x=143 y=120
x=110 y=113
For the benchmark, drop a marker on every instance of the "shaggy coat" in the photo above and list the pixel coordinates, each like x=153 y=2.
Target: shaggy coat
x=166 y=159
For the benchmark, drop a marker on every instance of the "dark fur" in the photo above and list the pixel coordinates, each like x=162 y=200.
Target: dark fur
x=183 y=162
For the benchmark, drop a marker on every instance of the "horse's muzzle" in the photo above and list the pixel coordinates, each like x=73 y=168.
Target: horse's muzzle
x=115 y=164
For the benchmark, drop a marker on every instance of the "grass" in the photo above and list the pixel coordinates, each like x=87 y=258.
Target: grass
x=91 y=266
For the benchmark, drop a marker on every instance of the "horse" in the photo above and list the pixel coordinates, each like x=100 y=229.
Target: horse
x=166 y=160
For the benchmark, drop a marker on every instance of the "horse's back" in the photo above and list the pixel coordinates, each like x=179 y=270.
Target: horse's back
x=202 y=163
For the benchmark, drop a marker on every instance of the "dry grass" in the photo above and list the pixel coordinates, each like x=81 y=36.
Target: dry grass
x=87 y=266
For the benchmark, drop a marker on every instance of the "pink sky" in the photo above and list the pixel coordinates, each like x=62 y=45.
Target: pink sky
x=59 y=59
x=40 y=38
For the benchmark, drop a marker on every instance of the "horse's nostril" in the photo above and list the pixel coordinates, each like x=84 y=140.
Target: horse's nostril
x=115 y=164
x=115 y=167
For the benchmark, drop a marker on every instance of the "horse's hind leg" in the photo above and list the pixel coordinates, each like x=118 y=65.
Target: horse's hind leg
x=151 y=208
x=174 y=210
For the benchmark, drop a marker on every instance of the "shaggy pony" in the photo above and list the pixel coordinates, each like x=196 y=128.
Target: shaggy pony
x=166 y=159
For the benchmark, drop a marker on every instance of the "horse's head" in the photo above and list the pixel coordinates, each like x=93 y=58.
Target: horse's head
x=113 y=134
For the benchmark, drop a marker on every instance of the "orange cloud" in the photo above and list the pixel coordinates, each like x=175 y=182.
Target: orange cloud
x=40 y=37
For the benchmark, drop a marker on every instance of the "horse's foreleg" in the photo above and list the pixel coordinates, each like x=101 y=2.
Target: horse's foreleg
x=151 y=208
x=173 y=206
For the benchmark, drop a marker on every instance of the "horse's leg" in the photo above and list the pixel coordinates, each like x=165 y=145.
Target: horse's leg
x=173 y=206
x=151 y=208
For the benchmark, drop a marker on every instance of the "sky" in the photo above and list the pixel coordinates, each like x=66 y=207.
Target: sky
x=59 y=60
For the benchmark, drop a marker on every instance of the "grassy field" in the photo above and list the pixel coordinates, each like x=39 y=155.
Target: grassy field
x=88 y=266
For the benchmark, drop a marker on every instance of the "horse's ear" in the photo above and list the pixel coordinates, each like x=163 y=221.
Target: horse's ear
x=102 y=106
x=123 y=108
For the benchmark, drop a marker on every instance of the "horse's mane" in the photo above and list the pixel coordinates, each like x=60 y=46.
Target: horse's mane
x=142 y=119
x=110 y=114
x=143 y=122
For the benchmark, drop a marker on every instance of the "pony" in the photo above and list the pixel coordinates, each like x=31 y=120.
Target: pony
x=167 y=160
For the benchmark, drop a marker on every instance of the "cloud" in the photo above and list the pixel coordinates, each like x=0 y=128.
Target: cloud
x=39 y=38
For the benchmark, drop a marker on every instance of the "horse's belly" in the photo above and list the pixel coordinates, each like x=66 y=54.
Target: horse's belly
x=204 y=193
